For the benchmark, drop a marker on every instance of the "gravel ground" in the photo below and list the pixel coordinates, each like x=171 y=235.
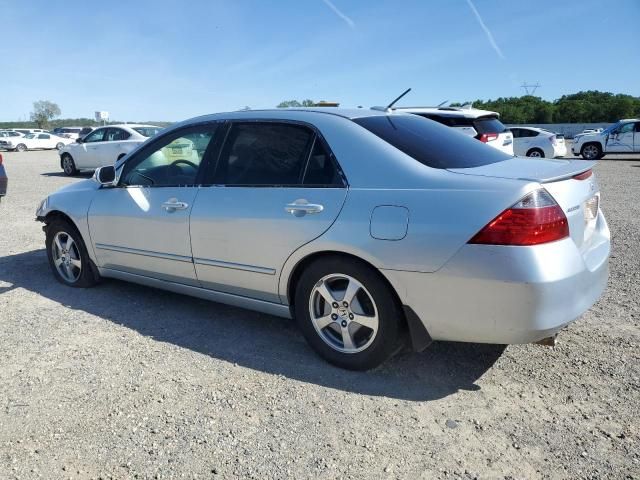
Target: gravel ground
x=123 y=381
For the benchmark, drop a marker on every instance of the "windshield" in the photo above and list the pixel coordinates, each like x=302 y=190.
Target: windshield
x=147 y=131
x=431 y=143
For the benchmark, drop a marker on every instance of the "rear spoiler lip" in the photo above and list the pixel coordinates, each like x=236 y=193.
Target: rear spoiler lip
x=562 y=173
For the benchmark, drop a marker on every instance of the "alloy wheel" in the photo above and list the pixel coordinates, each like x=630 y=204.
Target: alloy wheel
x=535 y=154
x=67 y=165
x=590 y=152
x=66 y=257
x=343 y=313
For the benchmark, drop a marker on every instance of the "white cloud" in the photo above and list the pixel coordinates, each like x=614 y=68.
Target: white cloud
x=492 y=41
x=335 y=10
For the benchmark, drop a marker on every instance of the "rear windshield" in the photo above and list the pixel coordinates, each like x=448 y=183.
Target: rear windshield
x=430 y=143
x=489 y=125
x=147 y=131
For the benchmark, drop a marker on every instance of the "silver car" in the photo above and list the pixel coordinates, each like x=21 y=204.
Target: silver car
x=373 y=229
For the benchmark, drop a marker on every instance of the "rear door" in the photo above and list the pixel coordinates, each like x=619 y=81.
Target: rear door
x=142 y=225
x=275 y=187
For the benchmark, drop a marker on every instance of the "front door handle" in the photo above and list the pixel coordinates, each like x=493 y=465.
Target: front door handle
x=301 y=207
x=173 y=204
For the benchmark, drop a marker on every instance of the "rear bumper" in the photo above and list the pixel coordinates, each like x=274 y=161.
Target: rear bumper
x=508 y=295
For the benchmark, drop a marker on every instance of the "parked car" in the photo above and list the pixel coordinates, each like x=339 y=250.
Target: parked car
x=622 y=137
x=68 y=132
x=3 y=179
x=85 y=131
x=369 y=227
x=34 y=141
x=27 y=131
x=103 y=146
x=482 y=125
x=537 y=142
x=10 y=134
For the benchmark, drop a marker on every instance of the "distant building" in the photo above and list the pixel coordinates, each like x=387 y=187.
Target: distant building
x=322 y=103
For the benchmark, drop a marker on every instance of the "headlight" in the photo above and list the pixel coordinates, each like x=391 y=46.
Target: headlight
x=42 y=207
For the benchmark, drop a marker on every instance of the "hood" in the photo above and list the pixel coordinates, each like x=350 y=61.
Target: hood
x=524 y=168
x=82 y=185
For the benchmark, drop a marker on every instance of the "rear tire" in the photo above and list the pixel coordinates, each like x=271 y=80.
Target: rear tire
x=21 y=147
x=535 y=153
x=68 y=257
x=59 y=146
x=591 y=151
x=68 y=165
x=348 y=313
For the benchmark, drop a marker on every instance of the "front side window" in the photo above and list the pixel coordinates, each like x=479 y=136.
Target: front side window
x=264 y=154
x=96 y=136
x=431 y=144
x=626 y=128
x=172 y=161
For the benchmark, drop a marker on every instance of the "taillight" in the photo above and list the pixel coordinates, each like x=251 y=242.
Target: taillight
x=487 y=137
x=552 y=139
x=535 y=219
x=583 y=175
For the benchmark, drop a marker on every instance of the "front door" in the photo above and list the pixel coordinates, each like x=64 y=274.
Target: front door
x=275 y=188
x=621 y=139
x=87 y=153
x=142 y=225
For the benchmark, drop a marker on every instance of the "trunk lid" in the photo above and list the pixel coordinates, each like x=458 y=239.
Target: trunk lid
x=579 y=199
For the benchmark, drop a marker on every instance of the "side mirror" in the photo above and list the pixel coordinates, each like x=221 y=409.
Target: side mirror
x=106 y=176
x=78 y=140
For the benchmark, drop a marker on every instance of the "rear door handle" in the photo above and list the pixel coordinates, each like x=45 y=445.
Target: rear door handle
x=302 y=207
x=173 y=204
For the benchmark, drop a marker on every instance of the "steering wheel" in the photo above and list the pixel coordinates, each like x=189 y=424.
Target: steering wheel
x=187 y=162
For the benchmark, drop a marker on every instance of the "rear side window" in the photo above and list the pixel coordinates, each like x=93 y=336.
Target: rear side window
x=431 y=144
x=264 y=154
x=489 y=125
x=321 y=169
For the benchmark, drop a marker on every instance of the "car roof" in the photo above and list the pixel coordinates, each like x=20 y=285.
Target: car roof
x=449 y=111
x=129 y=125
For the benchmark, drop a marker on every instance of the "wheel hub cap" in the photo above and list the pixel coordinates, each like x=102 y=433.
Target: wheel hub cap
x=343 y=313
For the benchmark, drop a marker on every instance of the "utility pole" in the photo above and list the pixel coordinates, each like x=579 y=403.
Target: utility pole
x=530 y=88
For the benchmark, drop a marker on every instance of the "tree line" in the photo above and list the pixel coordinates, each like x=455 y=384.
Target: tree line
x=591 y=106
x=583 y=107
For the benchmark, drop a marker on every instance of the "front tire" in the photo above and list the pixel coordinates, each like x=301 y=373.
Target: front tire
x=68 y=165
x=68 y=257
x=348 y=313
x=591 y=151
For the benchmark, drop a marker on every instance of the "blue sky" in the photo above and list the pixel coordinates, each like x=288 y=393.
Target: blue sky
x=171 y=59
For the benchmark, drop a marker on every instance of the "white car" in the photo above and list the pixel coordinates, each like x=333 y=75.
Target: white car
x=68 y=132
x=482 y=125
x=10 y=134
x=34 y=141
x=620 y=138
x=104 y=146
x=537 y=142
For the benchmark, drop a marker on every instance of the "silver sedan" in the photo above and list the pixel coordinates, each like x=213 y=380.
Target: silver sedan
x=373 y=229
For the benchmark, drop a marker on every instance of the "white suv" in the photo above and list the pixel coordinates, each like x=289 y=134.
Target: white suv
x=480 y=124
x=621 y=137
x=104 y=146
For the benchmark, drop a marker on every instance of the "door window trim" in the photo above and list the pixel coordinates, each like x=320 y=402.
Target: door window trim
x=316 y=136
x=152 y=146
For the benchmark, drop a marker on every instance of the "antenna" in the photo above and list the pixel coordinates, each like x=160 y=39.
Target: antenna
x=530 y=88
x=396 y=100
x=443 y=103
